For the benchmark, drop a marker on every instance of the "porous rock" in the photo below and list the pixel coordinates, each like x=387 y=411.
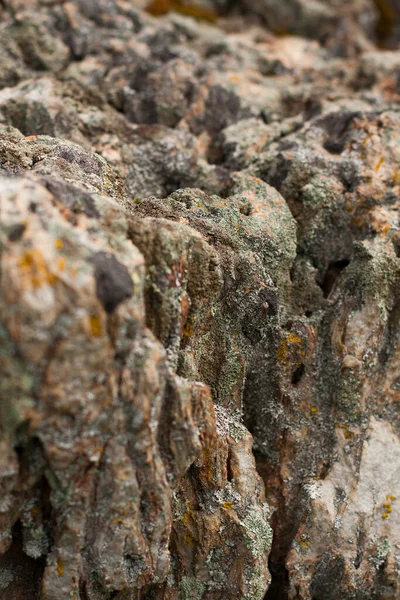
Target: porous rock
x=199 y=303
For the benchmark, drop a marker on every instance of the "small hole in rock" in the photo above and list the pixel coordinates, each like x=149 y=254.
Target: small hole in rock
x=229 y=468
x=332 y=275
x=298 y=374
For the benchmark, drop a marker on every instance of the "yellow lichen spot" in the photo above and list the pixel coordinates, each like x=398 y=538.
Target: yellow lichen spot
x=389 y=509
x=228 y=505
x=34 y=269
x=61 y=264
x=385 y=515
x=234 y=79
x=305 y=542
x=314 y=410
x=281 y=352
x=59 y=244
x=238 y=227
x=379 y=163
x=366 y=140
x=95 y=325
x=386 y=505
x=294 y=339
x=392 y=498
x=347 y=434
x=60 y=567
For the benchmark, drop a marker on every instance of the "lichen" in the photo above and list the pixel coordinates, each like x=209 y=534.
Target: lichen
x=191 y=588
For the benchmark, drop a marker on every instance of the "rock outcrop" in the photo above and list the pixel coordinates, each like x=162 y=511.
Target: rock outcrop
x=199 y=300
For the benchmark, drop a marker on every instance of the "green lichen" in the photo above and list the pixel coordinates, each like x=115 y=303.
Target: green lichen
x=376 y=271
x=258 y=534
x=237 y=430
x=191 y=588
x=17 y=385
x=383 y=549
x=256 y=585
x=349 y=397
x=6 y=577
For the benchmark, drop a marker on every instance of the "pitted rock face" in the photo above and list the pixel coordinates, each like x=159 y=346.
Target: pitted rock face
x=199 y=300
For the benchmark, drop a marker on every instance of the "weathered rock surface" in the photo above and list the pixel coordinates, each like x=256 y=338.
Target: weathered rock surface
x=199 y=300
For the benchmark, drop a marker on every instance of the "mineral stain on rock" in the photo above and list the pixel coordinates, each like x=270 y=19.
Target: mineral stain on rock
x=199 y=300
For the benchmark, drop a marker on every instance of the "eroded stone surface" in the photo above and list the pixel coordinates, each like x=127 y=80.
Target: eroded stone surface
x=199 y=275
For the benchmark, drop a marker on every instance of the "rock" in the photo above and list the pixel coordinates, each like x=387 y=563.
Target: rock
x=199 y=304
x=105 y=431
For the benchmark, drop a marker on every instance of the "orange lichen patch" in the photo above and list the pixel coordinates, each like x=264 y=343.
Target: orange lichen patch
x=314 y=410
x=305 y=543
x=281 y=353
x=234 y=79
x=364 y=146
x=60 y=567
x=294 y=339
x=59 y=244
x=95 y=325
x=61 y=264
x=347 y=433
x=379 y=163
x=157 y=8
x=228 y=505
x=34 y=269
x=387 y=507
x=30 y=138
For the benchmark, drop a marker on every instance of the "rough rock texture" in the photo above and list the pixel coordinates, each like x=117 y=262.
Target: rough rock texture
x=199 y=300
